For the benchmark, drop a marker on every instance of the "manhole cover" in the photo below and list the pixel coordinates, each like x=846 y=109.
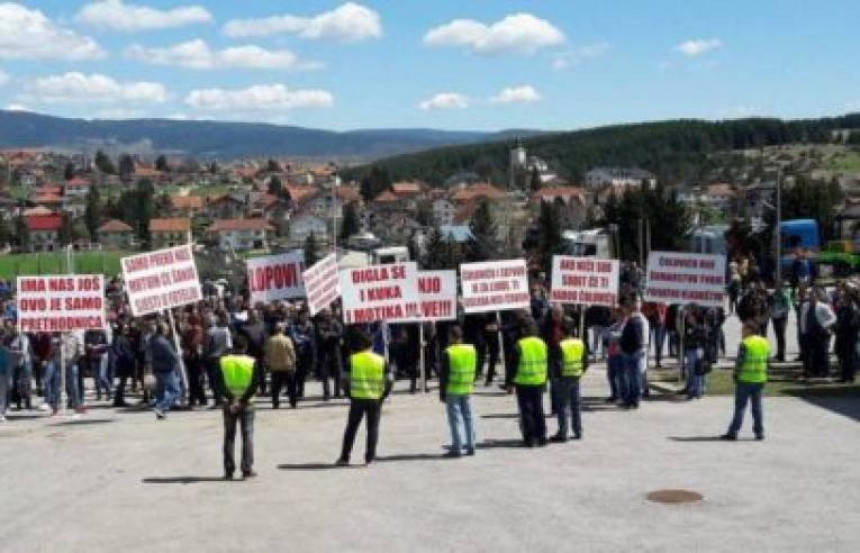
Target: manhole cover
x=674 y=496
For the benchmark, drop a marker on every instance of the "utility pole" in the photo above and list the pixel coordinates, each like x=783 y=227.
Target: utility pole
x=334 y=184
x=778 y=231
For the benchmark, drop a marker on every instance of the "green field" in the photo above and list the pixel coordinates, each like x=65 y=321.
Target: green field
x=783 y=382
x=848 y=162
x=105 y=262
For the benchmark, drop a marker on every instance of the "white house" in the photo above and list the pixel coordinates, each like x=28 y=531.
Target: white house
x=444 y=211
x=302 y=226
x=618 y=177
x=241 y=234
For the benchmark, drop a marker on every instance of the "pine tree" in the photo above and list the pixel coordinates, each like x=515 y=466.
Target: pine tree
x=436 y=251
x=484 y=242
x=93 y=212
x=161 y=164
x=535 y=182
x=311 y=250
x=69 y=171
x=126 y=167
x=350 y=224
x=272 y=166
x=104 y=163
x=549 y=240
x=144 y=208
x=66 y=233
x=22 y=233
x=275 y=187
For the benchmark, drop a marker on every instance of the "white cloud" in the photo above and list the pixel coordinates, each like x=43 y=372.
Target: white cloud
x=350 y=22
x=118 y=113
x=28 y=34
x=118 y=16
x=17 y=107
x=95 y=88
x=525 y=94
x=258 y=97
x=566 y=60
x=521 y=33
x=698 y=46
x=445 y=100
x=196 y=54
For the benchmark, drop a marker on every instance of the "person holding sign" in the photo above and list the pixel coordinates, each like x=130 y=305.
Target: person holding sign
x=238 y=378
x=531 y=361
x=456 y=383
x=368 y=384
x=574 y=363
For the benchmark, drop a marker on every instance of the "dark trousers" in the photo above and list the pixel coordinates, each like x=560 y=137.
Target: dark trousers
x=281 y=380
x=744 y=393
x=530 y=401
x=304 y=365
x=816 y=355
x=245 y=419
x=196 y=392
x=847 y=363
x=492 y=357
x=779 y=326
x=119 y=391
x=358 y=408
x=569 y=406
x=212 y=369
x=330 y=369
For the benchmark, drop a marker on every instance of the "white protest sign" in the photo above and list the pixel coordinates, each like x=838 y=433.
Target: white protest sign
x=495 y=286
x=161 y=280
x=322 y=284
x=380 y=293
x=276 y=277
x=681 y=278
x=61 y=303
x=437 y=297
x=584 y=281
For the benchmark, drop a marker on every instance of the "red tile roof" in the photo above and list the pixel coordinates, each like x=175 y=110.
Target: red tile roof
x=180 y=224
x=115 y=225
x=186 y=202
x=386 y=197
x=47 y=199
x=301 y=194
x=476 y=191
x=44 y=222
x=406 y=188
x=78 y=182
x=560 y=192
x=222 y=225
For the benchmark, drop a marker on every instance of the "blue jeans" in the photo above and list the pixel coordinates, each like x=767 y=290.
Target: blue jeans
x=102 y=375
x=614 y=372
x=569 y=406
x=166 y=390
x=53 y=382
x=659 y=333
x=695 y=381
x=744 y=392
x=460 y=418
x=632 y=378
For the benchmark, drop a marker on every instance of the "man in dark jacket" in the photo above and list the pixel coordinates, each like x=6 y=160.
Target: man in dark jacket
x=165 y=368
x=329 y=335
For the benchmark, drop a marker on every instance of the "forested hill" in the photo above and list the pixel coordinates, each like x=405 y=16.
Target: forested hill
x=676 y=151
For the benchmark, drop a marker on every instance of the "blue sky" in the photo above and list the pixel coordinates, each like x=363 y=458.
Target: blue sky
x=467 y=64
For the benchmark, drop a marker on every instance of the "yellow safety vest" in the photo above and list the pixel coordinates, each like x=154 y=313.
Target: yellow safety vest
x=756 y=353
x=532 y=370
x=238 y=372
x=462 y=365
x=366 y=376
x=572 y=357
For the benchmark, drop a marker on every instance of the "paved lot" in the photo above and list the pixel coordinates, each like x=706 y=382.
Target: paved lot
x=125 y=482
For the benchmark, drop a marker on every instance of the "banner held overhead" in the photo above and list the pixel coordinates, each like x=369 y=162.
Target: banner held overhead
x=161 y=280
x=322 y=284
x=61 y=303
x=495 y=286
x=276 y=277
x=380 y=293
x=584 y=281
x=682 y=278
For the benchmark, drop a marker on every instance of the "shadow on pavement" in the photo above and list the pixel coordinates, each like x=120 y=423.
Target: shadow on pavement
x=695 y=438
x=410 y=457
x=497 y=444
x=313 y=466
x=84 y=422
x=843 y=401
x=501 y=416
x=183 y=479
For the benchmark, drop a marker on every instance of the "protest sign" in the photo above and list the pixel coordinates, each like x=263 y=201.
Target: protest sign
x=161 y=280
x=322 y=284
x=683 y=278
x=61 y=303
x=495 y=286
x=584 y=281
x=276 y=277
x=437 y=298
x=380 y=293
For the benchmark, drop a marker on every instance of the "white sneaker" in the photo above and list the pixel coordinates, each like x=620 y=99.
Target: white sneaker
x=44 y=407
x=2 y=418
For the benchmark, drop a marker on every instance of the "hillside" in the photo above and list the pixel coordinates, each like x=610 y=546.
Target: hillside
x=676 y=151
x=221 y=139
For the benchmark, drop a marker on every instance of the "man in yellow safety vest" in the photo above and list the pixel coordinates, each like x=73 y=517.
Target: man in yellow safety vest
x=456 y=382
x=750 y=378
x=238 y=378
x=368 y=384
x=574 y=363
x=530 y=360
